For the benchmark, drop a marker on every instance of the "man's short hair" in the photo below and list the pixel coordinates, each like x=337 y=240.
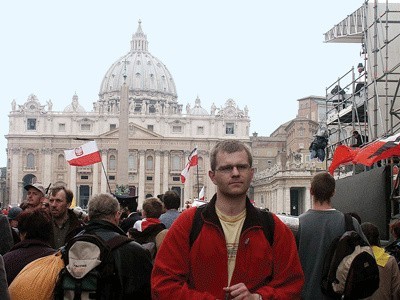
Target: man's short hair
x=102 y=206
x=35 y=224
x=153 y=207
x=171 y=200
x=323 y=186
x=69 y=195
x=229 y=146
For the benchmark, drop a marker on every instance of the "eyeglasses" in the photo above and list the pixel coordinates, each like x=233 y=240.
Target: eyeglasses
x=229 y=169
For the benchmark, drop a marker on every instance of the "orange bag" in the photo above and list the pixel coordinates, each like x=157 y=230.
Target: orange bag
x=37 y=279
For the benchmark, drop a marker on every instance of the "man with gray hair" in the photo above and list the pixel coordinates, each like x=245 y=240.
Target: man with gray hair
x=132 y=262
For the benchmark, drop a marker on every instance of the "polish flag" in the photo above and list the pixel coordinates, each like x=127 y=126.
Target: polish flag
x=193 y=161
x=185 y=173
x=201 y=194
x=193 y=158
x=85 y=155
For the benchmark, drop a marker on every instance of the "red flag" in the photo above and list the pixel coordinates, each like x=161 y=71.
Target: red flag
x=193 y=161
x=378 y=150
x=87 y=154
x=343 y=154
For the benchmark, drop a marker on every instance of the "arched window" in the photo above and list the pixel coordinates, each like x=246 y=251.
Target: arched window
x=131 y=162
x=176 y=163
x=112 y=164
x=61 y=162
x=30 y=161
x=149 y=163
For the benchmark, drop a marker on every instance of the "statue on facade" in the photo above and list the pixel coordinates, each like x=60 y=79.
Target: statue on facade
x=166 y=108
x=246 y=111
x=213 y=109
x=188 y=109
x=49 y=105
x=75 y=103
x=143 y=107
x=13 y=105
x=96 y=106
x=158 y=107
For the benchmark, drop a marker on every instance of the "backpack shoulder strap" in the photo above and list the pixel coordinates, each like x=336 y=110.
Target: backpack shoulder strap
x=348 y=220
x=197 y=224
x=118 y=241
x=268 y=225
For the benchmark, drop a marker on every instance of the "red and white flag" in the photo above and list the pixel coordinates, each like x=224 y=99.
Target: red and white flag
x=85 y=155
x=193 y=161
x=193 y=158
x=201 y=194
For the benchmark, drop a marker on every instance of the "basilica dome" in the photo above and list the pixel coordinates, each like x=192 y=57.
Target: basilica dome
x=146 y=76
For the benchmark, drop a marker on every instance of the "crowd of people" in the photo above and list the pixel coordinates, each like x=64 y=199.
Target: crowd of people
x=221 y=251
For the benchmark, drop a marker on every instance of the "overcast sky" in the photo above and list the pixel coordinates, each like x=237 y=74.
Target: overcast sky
x=263 y=54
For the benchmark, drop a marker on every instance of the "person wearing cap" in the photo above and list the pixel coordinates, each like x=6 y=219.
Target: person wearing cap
x=35 y=195
x=13 y=213
x=65 y=222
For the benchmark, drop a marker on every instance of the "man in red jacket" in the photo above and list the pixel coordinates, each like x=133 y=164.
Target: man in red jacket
x=231 y=257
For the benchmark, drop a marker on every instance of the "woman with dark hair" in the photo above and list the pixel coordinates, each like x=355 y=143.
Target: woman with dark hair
x=35 y=231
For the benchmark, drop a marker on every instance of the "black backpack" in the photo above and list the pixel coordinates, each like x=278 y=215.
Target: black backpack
x=147 y=237
x=266 y=218
x=349 y=268
x=89 y=271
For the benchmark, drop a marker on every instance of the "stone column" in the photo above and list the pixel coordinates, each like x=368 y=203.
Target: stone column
x=142 y=176
x=157 y=173
x=95 y=182
x=286 y=200
x=72 y=182
x=279 y=199
x=166 y=172
x=307 y=200
x=15 y=188
x=274 y=201
x=47 y=167
x=103 y=180
x=188 y=185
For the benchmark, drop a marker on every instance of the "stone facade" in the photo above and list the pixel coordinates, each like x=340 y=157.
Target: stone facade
x=160 y=135
x=283 y=182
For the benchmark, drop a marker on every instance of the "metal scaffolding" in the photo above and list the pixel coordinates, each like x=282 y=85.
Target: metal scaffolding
x=366 y=98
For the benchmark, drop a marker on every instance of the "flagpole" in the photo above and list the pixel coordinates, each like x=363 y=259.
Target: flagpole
x=105 y=174
x=198 y=184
